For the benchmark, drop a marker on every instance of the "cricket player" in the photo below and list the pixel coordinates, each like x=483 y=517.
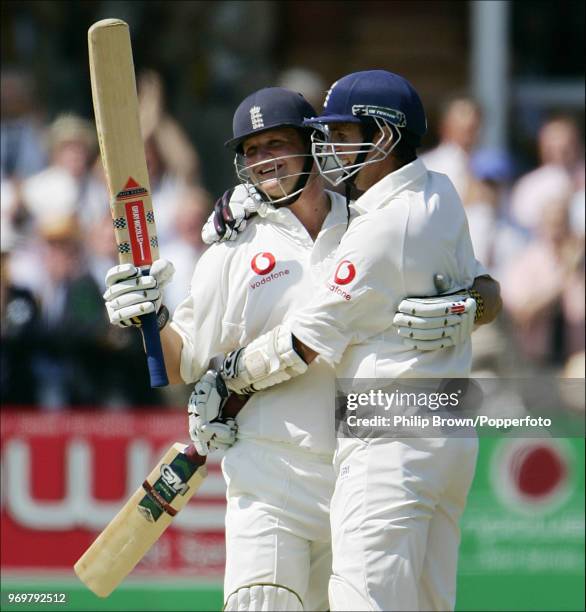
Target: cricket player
x=397 y=501
x=279 y=473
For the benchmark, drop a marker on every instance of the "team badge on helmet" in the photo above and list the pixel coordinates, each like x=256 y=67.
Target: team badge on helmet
x=256 y=118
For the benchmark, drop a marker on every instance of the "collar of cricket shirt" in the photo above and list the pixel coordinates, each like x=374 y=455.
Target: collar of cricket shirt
x=337 y=215
x=389 y=186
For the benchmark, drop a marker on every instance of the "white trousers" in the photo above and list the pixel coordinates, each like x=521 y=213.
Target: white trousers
x=277 y=519
x=395 y=513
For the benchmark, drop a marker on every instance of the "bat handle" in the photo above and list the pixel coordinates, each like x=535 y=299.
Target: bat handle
x=194 y=456
x=153 y=349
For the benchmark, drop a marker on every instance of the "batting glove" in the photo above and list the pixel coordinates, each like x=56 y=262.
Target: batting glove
x=268 y=360
x=130 y=295
x=231 y=213
x=434 y=323
x=207 y=429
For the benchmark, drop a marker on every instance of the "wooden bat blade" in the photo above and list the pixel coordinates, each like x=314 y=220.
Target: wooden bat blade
x=142 y=520
x=122 y=150
x=116 y=110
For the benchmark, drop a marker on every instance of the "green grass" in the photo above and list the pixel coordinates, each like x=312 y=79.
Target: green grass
x=474 y=593
x=155 y=596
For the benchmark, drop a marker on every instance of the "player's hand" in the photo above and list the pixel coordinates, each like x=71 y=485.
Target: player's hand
x=207 y=428
x=268 y=360
x=231 y=212
x=130 y=295
x=434 y=323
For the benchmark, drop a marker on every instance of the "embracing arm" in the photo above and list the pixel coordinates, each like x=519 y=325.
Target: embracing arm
x=279 y=355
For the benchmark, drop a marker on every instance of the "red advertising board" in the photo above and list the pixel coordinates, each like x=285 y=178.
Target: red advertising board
x=65 y=475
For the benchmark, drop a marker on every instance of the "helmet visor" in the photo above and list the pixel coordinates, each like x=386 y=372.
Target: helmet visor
x=277 y=178
x=338 y=161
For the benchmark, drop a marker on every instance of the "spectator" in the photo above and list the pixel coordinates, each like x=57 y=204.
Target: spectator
x=80 y=361
x=102 y=248
x=171 y=159
x=543 y=290
x=171 y=140
x=19 y=325
x=187 y=246
x=577 y=213
x=305 y=81
x=21 y=133
x=22 y=146
x=561 y=171
x=458 y=129
x=65 y=187
x=496 y=240
x=71 y=321
x=496 y=243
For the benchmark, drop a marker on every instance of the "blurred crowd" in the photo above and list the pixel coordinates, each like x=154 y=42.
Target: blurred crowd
x=58 y=349
x=527 y=229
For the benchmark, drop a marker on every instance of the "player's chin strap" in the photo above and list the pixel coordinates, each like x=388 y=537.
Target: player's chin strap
x=348 y=193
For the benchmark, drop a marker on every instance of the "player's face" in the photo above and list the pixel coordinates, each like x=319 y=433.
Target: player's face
x=274 y=160
x=346 y=134
x=350 y=138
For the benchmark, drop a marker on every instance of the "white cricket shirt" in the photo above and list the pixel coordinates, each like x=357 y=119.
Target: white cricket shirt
x=411 y=226
x=243 y=289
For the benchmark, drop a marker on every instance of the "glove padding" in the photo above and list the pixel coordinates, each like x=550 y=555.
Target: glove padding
x=130 y=295
x=207 y=429
x=231 y=213
x=269 y=360
x=434 y=323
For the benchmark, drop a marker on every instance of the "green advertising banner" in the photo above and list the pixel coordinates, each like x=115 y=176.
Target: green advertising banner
x=523 y=529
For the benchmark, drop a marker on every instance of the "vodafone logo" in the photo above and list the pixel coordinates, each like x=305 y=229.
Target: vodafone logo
x=532 y=476
x=263 y=263
x=345 y=272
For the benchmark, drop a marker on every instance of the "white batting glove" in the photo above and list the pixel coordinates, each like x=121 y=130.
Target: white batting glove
x=231 y=213
x=207 y=429
x=130 y=295
x=434 y=323
x=268 y=360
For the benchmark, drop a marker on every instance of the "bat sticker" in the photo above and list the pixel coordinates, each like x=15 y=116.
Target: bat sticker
x=131 y=190
x=172 y=482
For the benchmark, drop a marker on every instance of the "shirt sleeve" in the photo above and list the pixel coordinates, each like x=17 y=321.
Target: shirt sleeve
x=360 y=293
x=199 y=318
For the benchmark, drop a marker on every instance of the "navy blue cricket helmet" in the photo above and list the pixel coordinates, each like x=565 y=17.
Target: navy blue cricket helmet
x=375 y=94
x=267 y=109
x=372 y=98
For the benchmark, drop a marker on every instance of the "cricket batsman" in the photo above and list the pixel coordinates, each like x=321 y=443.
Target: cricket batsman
x=279 y=473
x=397 y=501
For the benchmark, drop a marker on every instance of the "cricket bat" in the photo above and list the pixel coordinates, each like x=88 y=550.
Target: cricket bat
x=122 y=151
x=142 y=520
x=146 y=515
